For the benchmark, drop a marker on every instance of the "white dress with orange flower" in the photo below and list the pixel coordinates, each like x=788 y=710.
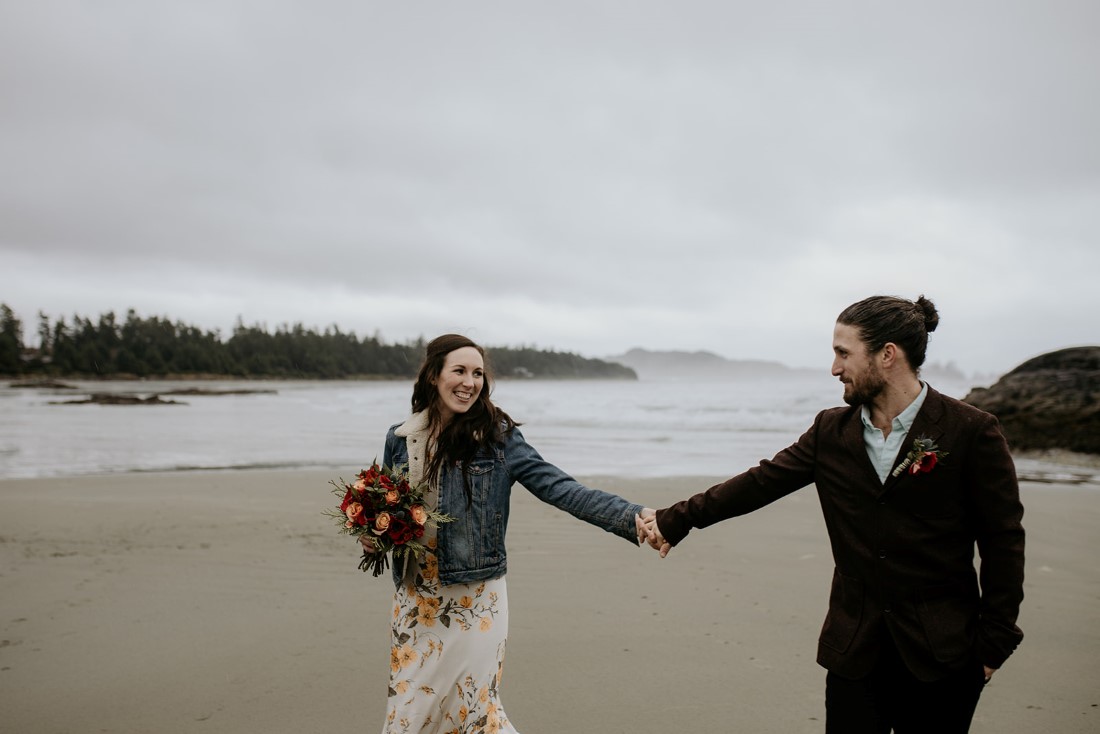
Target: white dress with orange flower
x=447 y=642
x=447 y=655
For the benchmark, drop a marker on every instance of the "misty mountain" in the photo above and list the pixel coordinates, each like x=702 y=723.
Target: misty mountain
x=664 y=364
x=703 y=364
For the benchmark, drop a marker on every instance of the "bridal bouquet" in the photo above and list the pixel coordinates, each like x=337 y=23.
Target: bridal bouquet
x=383 y=506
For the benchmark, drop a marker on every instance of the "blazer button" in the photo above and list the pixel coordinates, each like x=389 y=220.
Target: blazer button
x=882 y=554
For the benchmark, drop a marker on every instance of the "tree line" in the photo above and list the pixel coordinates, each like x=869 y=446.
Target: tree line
x=157 y=347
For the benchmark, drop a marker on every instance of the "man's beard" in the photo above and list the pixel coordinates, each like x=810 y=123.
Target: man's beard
x=864 y=389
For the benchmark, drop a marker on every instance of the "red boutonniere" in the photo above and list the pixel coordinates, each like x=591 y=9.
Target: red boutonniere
x=922 y=458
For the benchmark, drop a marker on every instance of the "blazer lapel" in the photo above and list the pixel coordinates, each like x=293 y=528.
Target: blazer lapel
x=851 y=438
x=927 y=424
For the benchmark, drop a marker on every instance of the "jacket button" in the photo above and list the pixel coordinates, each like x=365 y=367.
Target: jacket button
x=882 y=554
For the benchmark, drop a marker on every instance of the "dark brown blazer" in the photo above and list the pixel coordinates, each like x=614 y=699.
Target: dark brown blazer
x=903 y=550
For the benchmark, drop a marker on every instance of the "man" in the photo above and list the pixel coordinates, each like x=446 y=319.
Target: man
x=909 y=481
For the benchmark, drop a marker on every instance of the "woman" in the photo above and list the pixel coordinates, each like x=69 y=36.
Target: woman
x=450 y=616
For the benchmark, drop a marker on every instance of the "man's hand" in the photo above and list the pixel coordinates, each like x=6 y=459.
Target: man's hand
x=639 y=523
x=989 y=672
x=648 y=532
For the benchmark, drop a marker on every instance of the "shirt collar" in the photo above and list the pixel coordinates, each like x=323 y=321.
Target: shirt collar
x=905 y=418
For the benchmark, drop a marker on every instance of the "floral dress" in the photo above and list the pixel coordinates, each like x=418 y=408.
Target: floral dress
x=447 y=643
x=447 y=655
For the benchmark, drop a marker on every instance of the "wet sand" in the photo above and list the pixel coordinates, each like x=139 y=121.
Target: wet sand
x=226 y=602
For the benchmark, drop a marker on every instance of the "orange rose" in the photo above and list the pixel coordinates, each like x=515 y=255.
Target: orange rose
x=392 y=497
x=355 y=513
x=419 y=514
x=381 y=523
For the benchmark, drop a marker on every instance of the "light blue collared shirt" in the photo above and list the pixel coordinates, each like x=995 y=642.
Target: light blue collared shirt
x=882 y=450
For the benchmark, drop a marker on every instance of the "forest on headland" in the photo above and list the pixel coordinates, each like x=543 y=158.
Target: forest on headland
x=147 y=347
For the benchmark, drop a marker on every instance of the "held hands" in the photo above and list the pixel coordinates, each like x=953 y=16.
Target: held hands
x=648 y=532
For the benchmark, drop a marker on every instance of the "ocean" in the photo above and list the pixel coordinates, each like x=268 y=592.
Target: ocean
x=644 y=428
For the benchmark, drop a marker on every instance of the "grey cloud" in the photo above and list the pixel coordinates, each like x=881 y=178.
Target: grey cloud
x=641 y=169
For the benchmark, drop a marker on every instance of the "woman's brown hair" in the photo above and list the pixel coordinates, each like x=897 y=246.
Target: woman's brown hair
x=481 y=426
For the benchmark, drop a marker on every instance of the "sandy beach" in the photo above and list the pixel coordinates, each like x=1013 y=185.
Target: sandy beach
x=227 y=602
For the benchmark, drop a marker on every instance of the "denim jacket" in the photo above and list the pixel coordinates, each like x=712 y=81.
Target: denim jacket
x=472 y=547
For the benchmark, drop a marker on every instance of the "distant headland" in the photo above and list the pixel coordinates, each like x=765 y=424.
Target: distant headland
x=154 y=347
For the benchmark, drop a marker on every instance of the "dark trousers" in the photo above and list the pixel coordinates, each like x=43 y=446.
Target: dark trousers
x=891 y=699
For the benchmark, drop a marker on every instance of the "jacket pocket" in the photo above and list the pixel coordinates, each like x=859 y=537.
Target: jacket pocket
x=949 y=621
x=493 y=543
x=845 y=612
x=479 y=477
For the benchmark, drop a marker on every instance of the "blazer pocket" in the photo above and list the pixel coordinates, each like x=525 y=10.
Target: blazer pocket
x=949 y=622
x=845 y=612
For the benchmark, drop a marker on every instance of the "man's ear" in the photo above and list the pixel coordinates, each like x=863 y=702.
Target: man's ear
x=888 y=355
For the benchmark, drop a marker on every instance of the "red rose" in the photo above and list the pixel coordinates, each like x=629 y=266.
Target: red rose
x=348 y=499
x=924 y=464
x=397 y=530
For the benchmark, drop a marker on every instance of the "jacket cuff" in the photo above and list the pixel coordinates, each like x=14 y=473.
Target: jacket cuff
x=673 y=525
x=628 y=530
x=993 y=649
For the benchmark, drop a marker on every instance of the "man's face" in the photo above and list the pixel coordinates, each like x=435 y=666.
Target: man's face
x=855 y=367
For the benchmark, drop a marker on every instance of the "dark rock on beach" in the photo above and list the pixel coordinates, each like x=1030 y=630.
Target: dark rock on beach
x=43 y=385
x=208 y=392
x=103 y=398
x=1049 y=402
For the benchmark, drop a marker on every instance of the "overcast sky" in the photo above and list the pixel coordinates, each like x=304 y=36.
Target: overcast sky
x=588 y=176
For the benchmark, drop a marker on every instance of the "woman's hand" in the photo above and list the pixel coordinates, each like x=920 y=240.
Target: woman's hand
x=648 y=532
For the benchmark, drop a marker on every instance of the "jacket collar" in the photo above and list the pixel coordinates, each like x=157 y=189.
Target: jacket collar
x=416 y=423
x=926 y=424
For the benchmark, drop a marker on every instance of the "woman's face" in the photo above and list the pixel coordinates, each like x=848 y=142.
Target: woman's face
x=460 y=382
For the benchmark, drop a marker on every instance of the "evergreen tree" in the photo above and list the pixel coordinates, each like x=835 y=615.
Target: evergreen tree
x=154 y=346
x=11 y=342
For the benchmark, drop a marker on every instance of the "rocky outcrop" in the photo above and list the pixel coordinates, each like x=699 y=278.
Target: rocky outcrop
x=42 y=385
x=1049 y=402
x=108 y=398
x=215 y=392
